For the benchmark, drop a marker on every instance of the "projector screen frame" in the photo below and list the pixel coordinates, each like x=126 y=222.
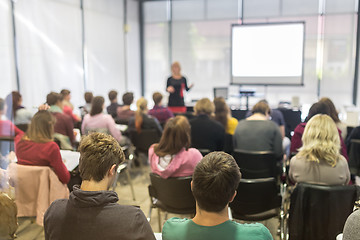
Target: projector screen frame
x=266 y=84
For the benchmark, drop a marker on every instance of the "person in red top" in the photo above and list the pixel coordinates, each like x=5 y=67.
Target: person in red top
x=37 y=147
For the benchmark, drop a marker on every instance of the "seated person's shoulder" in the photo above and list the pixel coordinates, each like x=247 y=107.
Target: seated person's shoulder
x=255 y=231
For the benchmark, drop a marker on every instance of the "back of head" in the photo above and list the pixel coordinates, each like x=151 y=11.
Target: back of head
x=175 y=137
x=318 y=108
x=97 y=105
x=321 y=141
x=261 y=107
x=128 y=98
x=221 y=111
x=53 y=98
x=65 y=92
x=215 y=180
x=157 y=97
x=333 y=112
x=204 y=106
x=8 y=219
x=98 y=153
x=41 y=128
x=13 y=103
x=141 y=105
x=112 y=95
x=88 y=96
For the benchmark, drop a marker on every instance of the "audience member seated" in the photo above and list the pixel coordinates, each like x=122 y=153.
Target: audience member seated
x=67 y=105
x=319 y=160
x=316 y=108
x=258 y=133
x=142 y=120
x=88 y=96
x=7 y=128
x=15 y=112
x=214 y=185
x=172 y=156
x=161 y=113
x=37 y=148
x=8 y=219
x=335 y=116
x=124 y=113
x=64 y=125
x=97 y=121
x=206 y=133
x=352 y=226
x=92 y=211
x=223 y=116
x=112 y=108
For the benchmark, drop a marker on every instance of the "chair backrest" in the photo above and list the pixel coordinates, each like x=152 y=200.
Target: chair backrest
x=36 y=187
x=256 y=196
x=354 y=157
x=319 y=211
x=142 y=141
x=256 y=164
x=23 y=127
x=174 y=193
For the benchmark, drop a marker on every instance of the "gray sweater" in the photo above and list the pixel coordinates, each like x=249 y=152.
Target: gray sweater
x=258 y=135
x=95 y=215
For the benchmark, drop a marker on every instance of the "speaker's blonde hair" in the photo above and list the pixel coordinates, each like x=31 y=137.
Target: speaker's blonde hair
x=321 y=141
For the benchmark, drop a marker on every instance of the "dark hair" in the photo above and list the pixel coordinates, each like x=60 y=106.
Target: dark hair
x=97 y=105
x=65 y=92
x=333 y=112
x=12 y=101
x=318 y=108
x=215 y=180
x=176 y=136
x=157 y=97
x=112 y=95
x=221 y=111
x=98 y=152
x=41 y=128
x=53 y=98
x=128 y=98
x=2 y=104
x=261 y=107
x=88 y=97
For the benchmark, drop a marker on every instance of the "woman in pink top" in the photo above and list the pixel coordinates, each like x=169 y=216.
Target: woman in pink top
x=172 y=157
x=97 y=121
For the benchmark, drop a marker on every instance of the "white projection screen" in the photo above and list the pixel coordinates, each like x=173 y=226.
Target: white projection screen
x=267 y=54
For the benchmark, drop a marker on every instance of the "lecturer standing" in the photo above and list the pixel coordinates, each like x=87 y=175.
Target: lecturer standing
x=176 y=84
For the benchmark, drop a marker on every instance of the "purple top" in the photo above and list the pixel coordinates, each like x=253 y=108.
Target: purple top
x=161 y=113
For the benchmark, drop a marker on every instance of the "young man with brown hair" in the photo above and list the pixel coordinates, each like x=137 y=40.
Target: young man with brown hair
x=214 y=184
x=112 y=108
x=160 y=112
x=92 y=211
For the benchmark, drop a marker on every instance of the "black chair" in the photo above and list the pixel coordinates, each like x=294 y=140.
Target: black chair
x=354 y=157
x=318 y=211
x=256 y=200
x=256 y=164
x=204 y=151
x=23 y=127
x=171 y=195
x=142 y=141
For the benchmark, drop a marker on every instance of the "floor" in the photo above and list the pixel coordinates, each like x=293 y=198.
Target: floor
x=28 y=230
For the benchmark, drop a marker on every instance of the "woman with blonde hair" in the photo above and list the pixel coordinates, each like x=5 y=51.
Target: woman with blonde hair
x=319 y=160
x=172 y=156
x=206 y=133
x=175 y=85
x=142 y=120
x=37 y=147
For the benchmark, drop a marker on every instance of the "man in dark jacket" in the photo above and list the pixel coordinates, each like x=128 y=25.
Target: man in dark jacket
x=92 y=211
